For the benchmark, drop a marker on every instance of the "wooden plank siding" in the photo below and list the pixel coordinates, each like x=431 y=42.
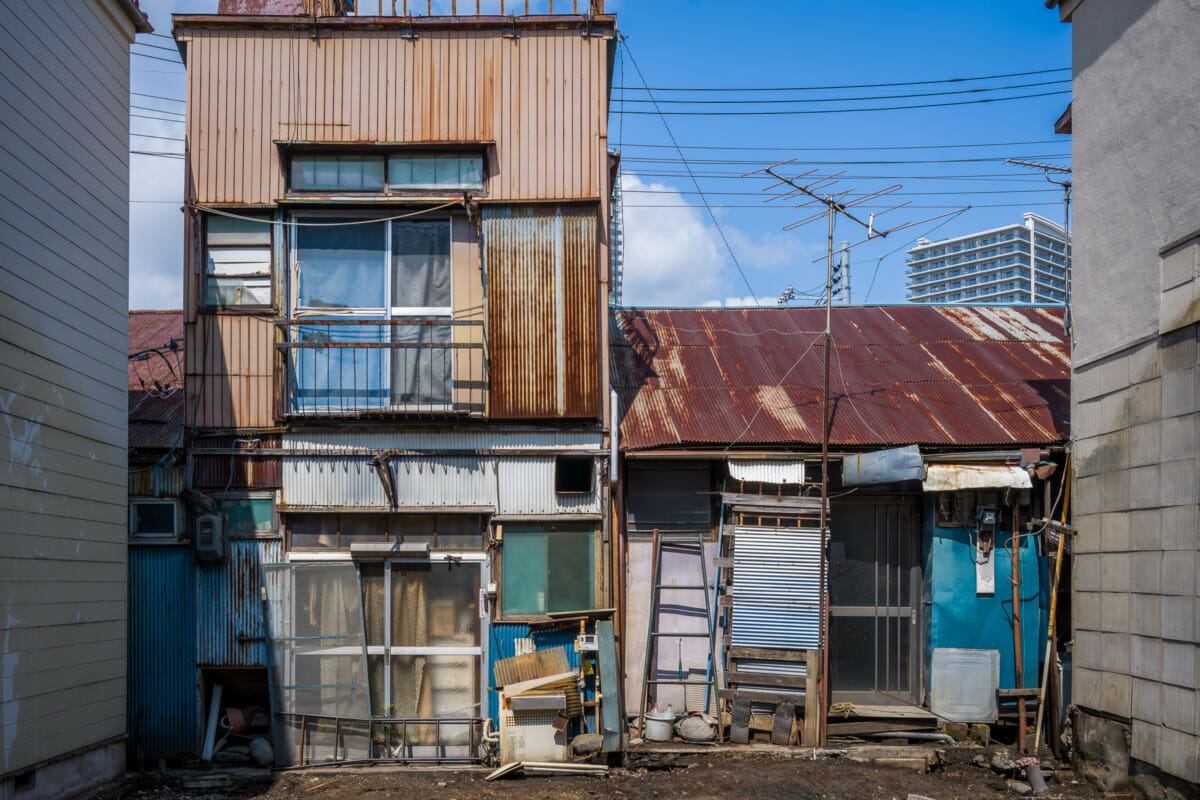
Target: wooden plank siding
x=248 y=89
x=64 y=284
x=230 y=370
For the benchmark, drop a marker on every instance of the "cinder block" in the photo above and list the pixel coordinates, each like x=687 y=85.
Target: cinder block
x=1180 y=482
x=1114 y=572
x=1085 y=608
x=1086 y=495
x=1145 y=443
x=1087 y=572
x=1145 y=571
x=1144 y=487
x=1178 y=623
x=1179 y=527
x=1104 y=453
x=1115 y=616
x=1180 y=437
x=1179 y=573
x=1105 y=414
x=1177 y=350
x=1147 y=700
x=1114 y=488
x=1114 y=531
x=1085 y=685
x=1116 y=693
x=1143 y=363
x=1179 y=266
x=1087 y=533
x=1145 y=529
x=1146 y=405
x=1179 y=664
x=1115 y=651
x=1146 y=659
x=1179 y=708
x=1089 y=650
x=1144 y=746
x=1179 y=395
x=1146 y=613
x=1177 y=754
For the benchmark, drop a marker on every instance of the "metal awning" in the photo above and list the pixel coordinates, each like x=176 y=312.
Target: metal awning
x=960 y=477
x=767 y=470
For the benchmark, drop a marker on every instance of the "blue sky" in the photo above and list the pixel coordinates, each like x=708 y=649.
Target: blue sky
x=675 y=253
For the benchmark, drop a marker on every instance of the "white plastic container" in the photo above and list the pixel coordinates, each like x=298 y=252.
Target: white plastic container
x=660 y=725
x=963 y=684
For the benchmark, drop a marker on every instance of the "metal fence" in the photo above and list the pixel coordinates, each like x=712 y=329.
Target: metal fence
x=371 y=367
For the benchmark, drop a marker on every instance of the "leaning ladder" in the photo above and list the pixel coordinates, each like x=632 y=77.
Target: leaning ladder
x=691 y=543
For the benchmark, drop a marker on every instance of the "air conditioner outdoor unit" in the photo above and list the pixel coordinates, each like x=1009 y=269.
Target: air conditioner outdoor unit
x=527 y=731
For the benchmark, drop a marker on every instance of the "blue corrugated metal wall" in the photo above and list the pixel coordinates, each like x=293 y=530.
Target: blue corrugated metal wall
x=958 y=617
x=231 y=619
x=163 y=698
x=502 y=644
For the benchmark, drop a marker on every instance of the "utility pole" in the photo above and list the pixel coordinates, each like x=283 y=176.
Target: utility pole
x=834 y=204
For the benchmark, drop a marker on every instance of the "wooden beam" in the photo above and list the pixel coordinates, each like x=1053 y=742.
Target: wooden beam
x=757 y=696
x=811 y=736
x=763 y=679
x=774 y=503
x=767 y=654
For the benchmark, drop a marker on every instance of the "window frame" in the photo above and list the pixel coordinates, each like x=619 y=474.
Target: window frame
x=207 y=275
x=154 y=538
x=480 y=151
x=285 y=530
x=251 y=494
x=497 y=561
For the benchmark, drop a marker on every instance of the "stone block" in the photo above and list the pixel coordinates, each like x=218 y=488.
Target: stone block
x=1114 y=572
x=1087 y=572
x=1179 y=664
x=1089 y=650
x=1179 y=573
x=1180 y=437
x=1145 y=443
x=1145 y=736
x=1146 y=405
x=1115 y=614
x=1085 y=611
x=1179 y=266
x=1114 y=490
x=1179 y=708
x=1143 y=363
x=1085 y=685
x=1179 y=527
x=1177 y=754
x=1144 y=488
x=1178 y=623
x=1145 y=571
x=1147 y=700
x=1177 y=350
x=1145 y=529
x=1086 y=495
x=1114 y=531
x=1180 y=482
x=1116 y=694
x=1105 y=414
x=1115 y=650
x=1103 y=453
x=1087 y=533
x=1145 y=659
x=1179 y=395
x=1146 y=613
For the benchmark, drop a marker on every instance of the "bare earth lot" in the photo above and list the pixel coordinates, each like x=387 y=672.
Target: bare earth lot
x=696 y=777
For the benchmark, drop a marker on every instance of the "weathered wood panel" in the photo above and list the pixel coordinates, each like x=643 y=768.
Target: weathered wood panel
x=230 y=370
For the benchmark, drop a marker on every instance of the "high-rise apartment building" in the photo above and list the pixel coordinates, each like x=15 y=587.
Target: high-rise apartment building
x=1019 y=263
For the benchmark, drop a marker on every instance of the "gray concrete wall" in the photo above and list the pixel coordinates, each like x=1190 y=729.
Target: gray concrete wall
x=64 y=193
x=1136 y=377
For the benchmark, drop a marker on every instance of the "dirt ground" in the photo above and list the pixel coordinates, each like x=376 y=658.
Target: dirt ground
x=704 y=776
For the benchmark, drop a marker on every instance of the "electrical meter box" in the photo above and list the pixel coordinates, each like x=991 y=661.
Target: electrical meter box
x=212 y=538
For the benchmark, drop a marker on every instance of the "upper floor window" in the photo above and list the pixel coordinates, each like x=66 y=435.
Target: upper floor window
x=377 y=173
x=238 y=263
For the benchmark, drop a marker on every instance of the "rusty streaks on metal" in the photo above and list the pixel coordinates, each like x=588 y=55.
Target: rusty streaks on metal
x=948 y=376
x=237 y=470
x=543 y=300
x=527 y=667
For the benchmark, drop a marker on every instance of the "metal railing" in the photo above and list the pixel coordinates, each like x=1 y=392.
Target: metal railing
x=331 y=739
x=347 y=367
x=453 y=8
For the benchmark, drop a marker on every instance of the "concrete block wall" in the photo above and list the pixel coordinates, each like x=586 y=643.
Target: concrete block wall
x=1136 y=417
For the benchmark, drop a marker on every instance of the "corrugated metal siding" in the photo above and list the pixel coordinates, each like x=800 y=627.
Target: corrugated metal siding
x=482 y=439
x=502 y=644
x=249 y=472
x=543 y=287
x=248 y=89
x=351 y=482
x=445 y=481
x=776 y=587
x=230 y=370
x=231 y=625
x=163 y=698
x=159 y=481
x=766 y=470
x=527 y=487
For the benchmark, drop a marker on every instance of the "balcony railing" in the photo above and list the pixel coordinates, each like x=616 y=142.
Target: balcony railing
x=453 y=8
x=347 y=367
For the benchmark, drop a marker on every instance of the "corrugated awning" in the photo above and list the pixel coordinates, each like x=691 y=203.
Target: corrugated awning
x=959 y=477
x=766 y=470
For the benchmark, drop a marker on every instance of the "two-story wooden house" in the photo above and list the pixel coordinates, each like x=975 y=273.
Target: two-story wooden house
x=396 y=278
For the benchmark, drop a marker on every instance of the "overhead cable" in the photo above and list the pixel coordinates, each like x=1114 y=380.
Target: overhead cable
x=755 y=101
x=794 y=112
x=845 y=85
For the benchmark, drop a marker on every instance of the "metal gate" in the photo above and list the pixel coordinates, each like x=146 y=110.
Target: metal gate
x=875 y=601
x=776 y=587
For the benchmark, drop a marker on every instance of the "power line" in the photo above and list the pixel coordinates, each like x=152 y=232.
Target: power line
x=174 y=61
x=845 y=86
x=794 y=112
x=179 y=100
x=712 y=215
x=802 y=162
x=739 y=175
x=893 y=194
x=844 y=148
x=793 y=210
x=906 y=244
x=158 y=47
x=757 y=101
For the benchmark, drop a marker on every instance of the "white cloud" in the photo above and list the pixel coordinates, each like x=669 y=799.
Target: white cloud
x=747 y=301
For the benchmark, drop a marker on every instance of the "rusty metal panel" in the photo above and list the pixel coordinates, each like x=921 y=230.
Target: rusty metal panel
x=526 y=488
x=158 y=481
x=543 y=289
x=947 y=376
x=231 y=629
x=538 y=664
x=230 y=374
x=251 y=85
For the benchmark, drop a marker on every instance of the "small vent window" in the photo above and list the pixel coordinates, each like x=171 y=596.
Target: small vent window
x=153 y=519
x=573 y=474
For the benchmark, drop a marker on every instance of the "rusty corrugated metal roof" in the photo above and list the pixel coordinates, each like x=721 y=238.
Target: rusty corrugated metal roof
x=935 y=375
x=156 y=399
